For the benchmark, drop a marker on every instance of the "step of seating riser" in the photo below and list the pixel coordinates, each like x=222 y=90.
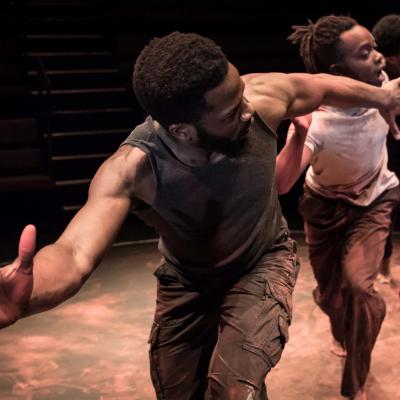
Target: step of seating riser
x=20 y=161
x=34 y=207
x=18 y=106
x=68 y=44
x=71 y=62
x=74 y=194
x=76 y=169
x=76 y=81
x=83 y=100
x=91 y=121
x=60 y=11
x=35 y=26
x=87 y=144
x=16 y=133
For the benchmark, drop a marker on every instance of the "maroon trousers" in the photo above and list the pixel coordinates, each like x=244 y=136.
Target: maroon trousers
x=346 y=245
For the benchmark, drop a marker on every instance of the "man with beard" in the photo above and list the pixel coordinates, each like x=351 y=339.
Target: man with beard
x=201 y=171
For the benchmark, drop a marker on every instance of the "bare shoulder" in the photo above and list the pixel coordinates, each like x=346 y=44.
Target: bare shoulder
x=130 y=160
x=126 y=171
x=268 y=94
x=265 y=84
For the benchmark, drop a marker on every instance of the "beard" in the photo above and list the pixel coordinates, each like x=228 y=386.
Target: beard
x=223 y=145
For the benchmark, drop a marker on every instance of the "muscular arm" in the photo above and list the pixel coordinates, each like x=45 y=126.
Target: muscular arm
x=60 y=269
x=278 y=96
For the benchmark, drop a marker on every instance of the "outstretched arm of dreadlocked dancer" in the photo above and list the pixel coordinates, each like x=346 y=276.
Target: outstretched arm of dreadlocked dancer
x=34 y=283
x=294 y=157
x=278 y=96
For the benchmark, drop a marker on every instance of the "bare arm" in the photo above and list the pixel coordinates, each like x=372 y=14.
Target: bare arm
x=60 y=269
x=279 y=96
x=294 y=157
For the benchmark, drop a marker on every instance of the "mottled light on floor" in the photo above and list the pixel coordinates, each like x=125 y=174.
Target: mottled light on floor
x=95 y=345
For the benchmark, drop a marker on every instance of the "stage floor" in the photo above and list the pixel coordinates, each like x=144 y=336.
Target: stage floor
x=95 y=345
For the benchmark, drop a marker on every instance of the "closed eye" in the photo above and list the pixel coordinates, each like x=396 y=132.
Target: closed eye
x=232 y=114
x=366 y=50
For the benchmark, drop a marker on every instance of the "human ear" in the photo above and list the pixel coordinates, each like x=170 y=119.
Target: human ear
x=181 y=132
x=336 y=69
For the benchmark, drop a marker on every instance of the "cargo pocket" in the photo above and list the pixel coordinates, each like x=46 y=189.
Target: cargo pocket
x=275 y=343
x=283 y=295
x=270 y=331
x=270 y=350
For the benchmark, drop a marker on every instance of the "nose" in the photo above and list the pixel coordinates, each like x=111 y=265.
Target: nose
x=379 y=58
x=247 y=110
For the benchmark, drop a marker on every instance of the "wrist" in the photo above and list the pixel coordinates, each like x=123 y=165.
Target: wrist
x=388 y=99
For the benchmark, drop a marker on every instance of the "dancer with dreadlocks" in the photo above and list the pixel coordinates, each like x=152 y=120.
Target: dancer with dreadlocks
x=387 y=35
x=349 y=193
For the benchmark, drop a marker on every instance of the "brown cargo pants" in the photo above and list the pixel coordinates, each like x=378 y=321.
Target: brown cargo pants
x=220 y=342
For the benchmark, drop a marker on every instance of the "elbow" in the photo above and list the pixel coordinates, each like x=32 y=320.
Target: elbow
x=83 y=269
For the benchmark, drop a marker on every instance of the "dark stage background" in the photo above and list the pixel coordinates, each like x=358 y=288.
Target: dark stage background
x=67 y=102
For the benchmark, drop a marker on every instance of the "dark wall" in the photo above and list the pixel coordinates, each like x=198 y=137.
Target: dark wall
x=252 y=34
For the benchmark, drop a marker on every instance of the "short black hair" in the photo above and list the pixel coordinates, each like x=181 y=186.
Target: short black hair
x=387 y=35
x=173 y=73
x=319 y=41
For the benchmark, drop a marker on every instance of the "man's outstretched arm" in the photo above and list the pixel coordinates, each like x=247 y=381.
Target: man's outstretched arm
x=36 y=283
x=278 y=96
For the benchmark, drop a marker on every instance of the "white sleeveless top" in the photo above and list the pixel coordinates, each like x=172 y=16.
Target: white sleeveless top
x=349 y=158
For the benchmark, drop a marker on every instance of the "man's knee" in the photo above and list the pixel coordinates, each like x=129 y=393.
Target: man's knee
x=238 y=371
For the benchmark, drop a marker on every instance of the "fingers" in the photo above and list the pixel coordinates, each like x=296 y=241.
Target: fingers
x=26 y=249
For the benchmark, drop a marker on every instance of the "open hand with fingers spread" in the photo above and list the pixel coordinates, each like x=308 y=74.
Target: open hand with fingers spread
x=16 y=279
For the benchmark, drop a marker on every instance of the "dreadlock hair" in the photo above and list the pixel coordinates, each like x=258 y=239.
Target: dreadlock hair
x=387 y=35
x=173 y=73
x=319 y=41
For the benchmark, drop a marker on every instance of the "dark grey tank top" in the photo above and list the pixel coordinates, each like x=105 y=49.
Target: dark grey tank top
x=218 y=219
